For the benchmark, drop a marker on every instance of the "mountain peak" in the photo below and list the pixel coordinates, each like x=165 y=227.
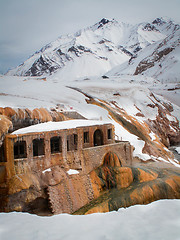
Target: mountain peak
x=104 y=21
x=159 y=21
x=162 y=20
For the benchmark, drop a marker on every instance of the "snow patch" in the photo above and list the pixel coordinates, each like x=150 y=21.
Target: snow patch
x=47 y=170
x=123 y=135
x=177 y=149
x=162 y=159
x=171 y=118
x=72 y=172
x=153 y=136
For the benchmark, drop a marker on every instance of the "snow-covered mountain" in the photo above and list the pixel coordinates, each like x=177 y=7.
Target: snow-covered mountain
x=95 y=50
x=159 y=60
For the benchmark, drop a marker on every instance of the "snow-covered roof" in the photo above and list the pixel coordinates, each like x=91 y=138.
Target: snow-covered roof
x=53 y=126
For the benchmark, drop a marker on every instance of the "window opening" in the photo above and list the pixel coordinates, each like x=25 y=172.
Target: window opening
x=86 y=137
x=56 y=145
x=109 y=133
x=2 y=159
x=20 y=150
x=98 y=138
x=75 y=141
x=38 y=147
x=68 y=145
x=72 y=142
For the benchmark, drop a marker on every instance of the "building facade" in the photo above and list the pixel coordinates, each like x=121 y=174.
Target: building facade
x=81 y=147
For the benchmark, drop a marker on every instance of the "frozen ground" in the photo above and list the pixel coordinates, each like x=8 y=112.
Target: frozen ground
x=158 y=221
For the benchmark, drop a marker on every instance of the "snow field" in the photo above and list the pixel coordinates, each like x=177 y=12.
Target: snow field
x=158 y=220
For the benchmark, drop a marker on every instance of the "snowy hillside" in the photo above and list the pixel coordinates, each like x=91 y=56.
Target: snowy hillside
x=159 y=60
x=91 y=51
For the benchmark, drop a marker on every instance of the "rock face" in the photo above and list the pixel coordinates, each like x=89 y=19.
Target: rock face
x=167 y=130
x=106 y=188
x=25 y=117
x=145 y=64
x=5 y=126
x=124 y=187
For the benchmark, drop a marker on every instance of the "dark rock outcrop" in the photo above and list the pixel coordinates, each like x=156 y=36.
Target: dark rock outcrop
x=150 y=61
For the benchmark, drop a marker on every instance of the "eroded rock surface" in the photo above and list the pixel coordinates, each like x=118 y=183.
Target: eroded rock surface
x=130 y=186
x=106 y=188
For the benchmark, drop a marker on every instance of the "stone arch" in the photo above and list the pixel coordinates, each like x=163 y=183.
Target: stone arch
x=112 y=160
x=98 y=138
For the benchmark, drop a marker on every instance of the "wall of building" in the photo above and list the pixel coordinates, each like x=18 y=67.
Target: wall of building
x=72 y=154
x=94 y=157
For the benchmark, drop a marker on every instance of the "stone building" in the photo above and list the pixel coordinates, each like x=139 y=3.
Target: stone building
x=82 y=145
x=73 y=144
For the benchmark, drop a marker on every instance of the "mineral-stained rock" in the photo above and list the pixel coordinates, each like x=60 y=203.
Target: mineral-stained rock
x=5 y=126
x=145 y=176
x=104 y=189
x=21 y=182
x=149 y=184
x=13 y=119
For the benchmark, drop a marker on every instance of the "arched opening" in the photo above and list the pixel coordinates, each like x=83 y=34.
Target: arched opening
x=111 y=160
x=98 y=137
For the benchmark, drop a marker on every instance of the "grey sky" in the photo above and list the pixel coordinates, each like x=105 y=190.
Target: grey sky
x=27 y=25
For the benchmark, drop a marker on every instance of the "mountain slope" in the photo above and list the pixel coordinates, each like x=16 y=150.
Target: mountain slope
x=159 y=60
x=91 y=51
